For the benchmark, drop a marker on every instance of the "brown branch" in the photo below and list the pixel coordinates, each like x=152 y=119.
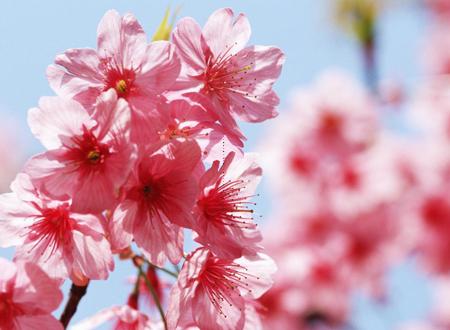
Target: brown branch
x=76 y=293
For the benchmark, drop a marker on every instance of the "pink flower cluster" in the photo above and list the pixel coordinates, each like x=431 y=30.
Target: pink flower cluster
x=337 y=222
x=355 y=197
x=142 y=143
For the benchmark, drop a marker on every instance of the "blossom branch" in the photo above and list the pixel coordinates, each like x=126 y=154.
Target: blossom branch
x=370 y=63
x=76 y=294
x=153 y=293
x=163 y=270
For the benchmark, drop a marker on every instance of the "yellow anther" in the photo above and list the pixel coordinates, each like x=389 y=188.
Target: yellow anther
x=245 y=68
x=93 y=156
x=121 y=86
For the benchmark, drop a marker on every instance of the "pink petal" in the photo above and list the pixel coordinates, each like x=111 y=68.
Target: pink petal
x=50 y=174
x=35 y=287
x=57 y=117
x=38 y=322
x=122 y=218
x=188 y=38
x=222 y=32
x=208 y=316
x=77 y=75
x=97 y=319
x=121 y=38
x=51 y=261
x=261 y=269
x=13 y=223
x=92 y=257
x=257 y=109
x=81 y=62
x=158 y=239
x=160 y=68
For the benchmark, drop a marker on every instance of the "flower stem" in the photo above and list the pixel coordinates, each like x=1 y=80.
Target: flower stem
x=154 y=295
x=370 y=64
x=163 y=270
x=76 y=293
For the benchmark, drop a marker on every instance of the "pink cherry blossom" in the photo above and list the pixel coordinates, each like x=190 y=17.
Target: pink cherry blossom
x=326 y=126
x=27 y=297
x=439 y=7
x=211 y=292
x=237 y=79
x=157 y=201
x=123 y=61
x=223 y=214
x=123 y=317
x=89 y=157
x=47 y=232
x=307 y=287
x=189 y=118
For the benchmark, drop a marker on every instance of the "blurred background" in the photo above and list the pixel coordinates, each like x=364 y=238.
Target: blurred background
x=377 y=65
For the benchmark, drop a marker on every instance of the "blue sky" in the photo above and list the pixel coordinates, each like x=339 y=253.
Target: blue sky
x=35 y=31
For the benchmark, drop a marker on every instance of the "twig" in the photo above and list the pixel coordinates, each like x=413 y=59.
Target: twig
x=153 y=293
x=76 y=293
x=163 y=269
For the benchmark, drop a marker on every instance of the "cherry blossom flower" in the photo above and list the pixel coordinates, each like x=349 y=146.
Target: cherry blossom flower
x=27 y=297
x=211 y=292
x=439 y=7
x=326 y=127
x=123 y=317
x=237 y=80
x=189 y=118
x=223 y=214
x=89 y=157
x=47 y=232
x=307 y=286
x=157 y=201
x=138 y=71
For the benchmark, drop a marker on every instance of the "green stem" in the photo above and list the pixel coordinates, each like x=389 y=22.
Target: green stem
x=154 y=295
x=163 y=270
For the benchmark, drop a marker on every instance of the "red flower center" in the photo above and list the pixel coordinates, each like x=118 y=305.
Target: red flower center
x=436 y=213
x=330 y=124
x=224 y=74
x=173 y=131
x=225 y=205
x=87 y=150
x=52 y=228
x=122 y=80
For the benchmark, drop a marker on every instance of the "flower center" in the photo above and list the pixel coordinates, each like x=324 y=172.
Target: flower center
x=224 y=73
x=121 y=79
x=147 y=190
x=173 y=132
x=121 y=86
x=94 y=156
x=52 y=228
x=331 y=124
x=87 y=150
x=225 y=205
